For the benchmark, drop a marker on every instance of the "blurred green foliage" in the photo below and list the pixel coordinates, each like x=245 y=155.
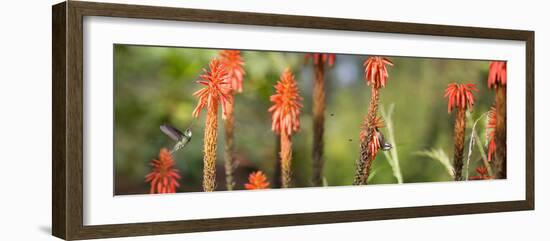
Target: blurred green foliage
x=154 y=85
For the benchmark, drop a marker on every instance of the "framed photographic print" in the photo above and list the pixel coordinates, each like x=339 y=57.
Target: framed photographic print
x=171 y=120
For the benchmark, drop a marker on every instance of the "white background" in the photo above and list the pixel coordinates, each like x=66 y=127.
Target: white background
x=25 y=101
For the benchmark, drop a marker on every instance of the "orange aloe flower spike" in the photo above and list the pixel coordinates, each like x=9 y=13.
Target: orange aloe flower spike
x=460 y=96
x=286 y=105
x=234 y=63
x=257 y=180
x=376 y=73
x=217 y=88
x=164 y=176
x=497 y=74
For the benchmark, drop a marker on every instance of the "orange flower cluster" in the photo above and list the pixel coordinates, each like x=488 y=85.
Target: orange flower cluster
x=257 y=180
x=376 y=73
x=286 y=105
x=164 y=176
x=497 y=74
x=483 y=174
x=374 y=144
x=322 y=58
x=218 y=87
x=460 y=96
x=234 y=63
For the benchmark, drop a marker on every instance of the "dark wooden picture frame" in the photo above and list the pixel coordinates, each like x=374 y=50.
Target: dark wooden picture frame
x=67 y=77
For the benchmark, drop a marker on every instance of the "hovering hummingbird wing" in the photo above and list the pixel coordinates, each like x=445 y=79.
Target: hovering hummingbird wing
x=172 y=132
x=385 y=146
x=381 y=137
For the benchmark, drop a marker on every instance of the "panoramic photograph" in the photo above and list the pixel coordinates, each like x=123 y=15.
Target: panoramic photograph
x=203 y=120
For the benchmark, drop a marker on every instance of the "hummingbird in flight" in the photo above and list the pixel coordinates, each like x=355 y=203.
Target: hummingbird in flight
x=181 y=138
x=385 y=146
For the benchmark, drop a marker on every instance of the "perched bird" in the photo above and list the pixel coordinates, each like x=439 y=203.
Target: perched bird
x=181 y=138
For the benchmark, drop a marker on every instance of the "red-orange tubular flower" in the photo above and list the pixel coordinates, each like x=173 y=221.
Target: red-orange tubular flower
x=217 y=88
x=234 y=63
x=374 y=144
x=461 y=98
x=215 y=92
x=497 y=80
x=286 y=105
x=376 y=76
x=257 y=180
x=319 y=106
x=376 y=72
x=483 y=174
x=497 y=74
x=164 y=176
x=285 y=114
